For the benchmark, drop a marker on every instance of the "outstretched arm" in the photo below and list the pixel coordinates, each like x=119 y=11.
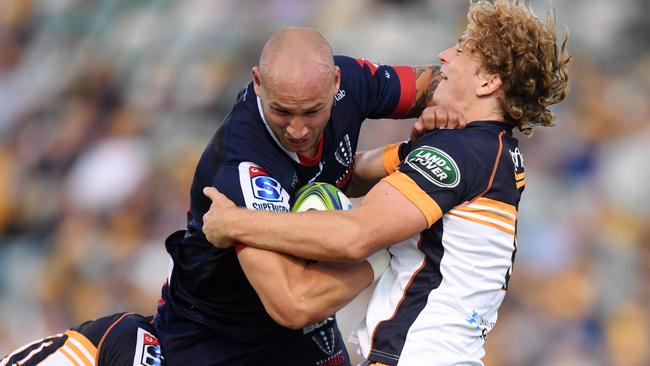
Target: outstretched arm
x=384 y=217
x=426 y=81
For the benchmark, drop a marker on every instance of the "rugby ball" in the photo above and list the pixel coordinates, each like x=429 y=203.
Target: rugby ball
x=321 y=197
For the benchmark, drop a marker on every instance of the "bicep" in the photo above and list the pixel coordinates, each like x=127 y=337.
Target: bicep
x=295 y=293
x=389 y=216
x=270 y=274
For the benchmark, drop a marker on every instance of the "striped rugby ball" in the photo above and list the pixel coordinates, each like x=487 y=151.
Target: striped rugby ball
x=320 y=196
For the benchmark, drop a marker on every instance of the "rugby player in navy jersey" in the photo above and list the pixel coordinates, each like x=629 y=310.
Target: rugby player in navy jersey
x=455 y=194
x=298 y=121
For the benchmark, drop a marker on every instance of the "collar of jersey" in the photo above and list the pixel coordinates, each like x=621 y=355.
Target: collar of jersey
x=300 y=159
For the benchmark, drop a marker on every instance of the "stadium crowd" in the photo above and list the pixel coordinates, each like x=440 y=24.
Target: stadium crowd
x=105 y=107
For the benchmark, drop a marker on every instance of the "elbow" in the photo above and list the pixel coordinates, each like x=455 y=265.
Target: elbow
x=292 y=316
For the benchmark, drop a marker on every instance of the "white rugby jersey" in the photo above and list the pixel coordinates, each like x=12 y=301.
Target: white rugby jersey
x=439 y=298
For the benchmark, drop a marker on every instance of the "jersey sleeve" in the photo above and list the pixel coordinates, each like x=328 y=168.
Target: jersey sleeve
x=381 y=91
x=435 y=174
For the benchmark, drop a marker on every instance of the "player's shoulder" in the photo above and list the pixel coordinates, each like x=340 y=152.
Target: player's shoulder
x=443 y=154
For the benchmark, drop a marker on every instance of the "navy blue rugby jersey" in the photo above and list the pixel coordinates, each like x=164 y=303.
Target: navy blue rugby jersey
x=246 y=163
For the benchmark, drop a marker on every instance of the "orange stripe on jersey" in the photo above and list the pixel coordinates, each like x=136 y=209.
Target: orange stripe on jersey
x=496 y=165
x=101 y=342
x=497 y=205
x=84 y=357
x=521 y=183
x=520 y=176
x=416 y=195
x=482 y=222
x=69 y=356
x=87 y=345
x=478 y=211
x=390 y=157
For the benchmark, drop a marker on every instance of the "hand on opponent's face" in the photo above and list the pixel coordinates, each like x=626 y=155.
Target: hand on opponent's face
x=213 y=226
x=437 y=117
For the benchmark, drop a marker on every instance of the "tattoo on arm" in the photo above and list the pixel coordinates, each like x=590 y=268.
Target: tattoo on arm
x=426 y=82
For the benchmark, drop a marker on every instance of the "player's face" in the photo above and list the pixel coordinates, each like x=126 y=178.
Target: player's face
x=298 y=112
x=460 y=67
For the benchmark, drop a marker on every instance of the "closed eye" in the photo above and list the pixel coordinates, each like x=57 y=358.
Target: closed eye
x=283 y=112
x=312 y=112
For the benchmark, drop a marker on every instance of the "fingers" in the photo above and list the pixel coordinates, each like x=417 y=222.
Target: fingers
x=418 y=129
x=212 y=193
x=419 y=125
x=441 y=117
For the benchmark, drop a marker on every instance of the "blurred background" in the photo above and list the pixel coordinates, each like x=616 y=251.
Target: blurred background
x=105 y=107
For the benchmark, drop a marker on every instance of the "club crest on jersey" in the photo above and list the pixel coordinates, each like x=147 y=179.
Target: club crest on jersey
x=435 y=165
x=260 y=190
x=147 y=352
x=264 y=186
x=343 y=153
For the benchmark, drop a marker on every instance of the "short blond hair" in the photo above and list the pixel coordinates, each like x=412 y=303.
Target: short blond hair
x=523 y=50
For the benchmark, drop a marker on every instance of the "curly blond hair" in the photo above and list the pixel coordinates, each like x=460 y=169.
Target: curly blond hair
x=523 y=50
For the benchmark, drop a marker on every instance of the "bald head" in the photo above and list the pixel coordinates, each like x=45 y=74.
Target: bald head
x=296 y=56
x=296 y=43
x=296 y=81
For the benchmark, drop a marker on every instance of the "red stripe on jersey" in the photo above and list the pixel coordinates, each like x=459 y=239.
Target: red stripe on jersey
x=311 y=161
x=371 y=66
x=239 y=247
x=407 y=93
x=255 y=170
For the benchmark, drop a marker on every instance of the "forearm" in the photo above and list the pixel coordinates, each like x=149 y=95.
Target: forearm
x=371 y=166
x=367 y=171
x=335 y=236
x=426 y=82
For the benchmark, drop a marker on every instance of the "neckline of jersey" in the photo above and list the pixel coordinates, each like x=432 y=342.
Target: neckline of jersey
x=500 y=124
x=311 y=161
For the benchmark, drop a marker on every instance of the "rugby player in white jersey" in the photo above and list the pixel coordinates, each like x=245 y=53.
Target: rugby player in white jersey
x=458 y=189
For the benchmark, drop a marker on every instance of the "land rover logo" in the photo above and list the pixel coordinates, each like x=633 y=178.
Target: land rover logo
x=435 y=165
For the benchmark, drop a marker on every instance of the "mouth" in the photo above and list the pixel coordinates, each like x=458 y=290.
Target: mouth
x=443 y=75
x=298 y=142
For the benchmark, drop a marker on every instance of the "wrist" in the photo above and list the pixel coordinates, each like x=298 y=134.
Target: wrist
x=232 y=223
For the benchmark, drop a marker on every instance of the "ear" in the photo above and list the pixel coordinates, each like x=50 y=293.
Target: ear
x=337 y=78
x=257 y=83
x=488 y=84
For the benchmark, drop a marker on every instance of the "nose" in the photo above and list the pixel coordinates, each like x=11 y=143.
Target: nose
x=443 y=55
x=296 y=129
